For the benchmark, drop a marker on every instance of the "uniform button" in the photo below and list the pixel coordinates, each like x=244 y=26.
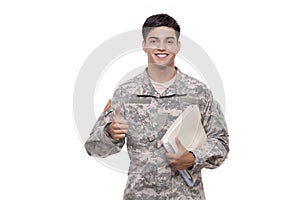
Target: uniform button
x=159 y=143
x=151 y=138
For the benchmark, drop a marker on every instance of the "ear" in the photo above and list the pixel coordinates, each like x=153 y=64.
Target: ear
x=144 y=46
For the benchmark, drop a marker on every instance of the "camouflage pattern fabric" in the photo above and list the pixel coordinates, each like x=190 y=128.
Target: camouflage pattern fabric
x=149 y=115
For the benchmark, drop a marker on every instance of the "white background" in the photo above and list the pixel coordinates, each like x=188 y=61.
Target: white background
x=254 y=44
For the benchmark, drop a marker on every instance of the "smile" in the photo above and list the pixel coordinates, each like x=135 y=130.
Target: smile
x=161 y=55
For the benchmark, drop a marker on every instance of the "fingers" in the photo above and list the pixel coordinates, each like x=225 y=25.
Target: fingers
x=118 y=130
x=173 y=160
x=180 y=161
x=171 y=156
x=181 y=150
x=119 y=136
x=179 y=145
x=120 y=121
x=119 y=126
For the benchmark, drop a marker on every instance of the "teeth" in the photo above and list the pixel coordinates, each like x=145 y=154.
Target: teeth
x=161 y=55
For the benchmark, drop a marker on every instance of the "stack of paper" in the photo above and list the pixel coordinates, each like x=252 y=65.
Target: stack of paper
x=189 y=130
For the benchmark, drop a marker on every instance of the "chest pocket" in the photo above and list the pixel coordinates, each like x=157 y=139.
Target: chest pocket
x=137 y=111
x=146 y=119
x=137 y=115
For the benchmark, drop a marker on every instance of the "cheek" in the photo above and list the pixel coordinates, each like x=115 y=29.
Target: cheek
x=149 y=50
x=172 y=49
x=172 y=56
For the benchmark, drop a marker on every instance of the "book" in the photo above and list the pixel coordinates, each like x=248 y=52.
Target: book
x=188 y=128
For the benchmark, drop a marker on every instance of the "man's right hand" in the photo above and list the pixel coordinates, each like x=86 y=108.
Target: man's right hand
x=119 y=126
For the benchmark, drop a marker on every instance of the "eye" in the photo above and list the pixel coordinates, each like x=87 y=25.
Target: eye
x=170 y=41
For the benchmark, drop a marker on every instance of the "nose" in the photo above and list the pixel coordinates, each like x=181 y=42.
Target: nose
x=161 y=46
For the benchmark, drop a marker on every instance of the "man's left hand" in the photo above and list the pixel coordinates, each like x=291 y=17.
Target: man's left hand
x=183 y=159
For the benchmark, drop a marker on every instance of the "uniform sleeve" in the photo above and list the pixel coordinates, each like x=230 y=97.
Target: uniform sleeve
x=213 y=153
x=100 y=144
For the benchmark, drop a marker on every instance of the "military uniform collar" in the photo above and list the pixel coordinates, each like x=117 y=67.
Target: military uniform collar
x=147 y=90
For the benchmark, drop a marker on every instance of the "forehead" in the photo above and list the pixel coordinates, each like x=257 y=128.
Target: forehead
x=162 y=32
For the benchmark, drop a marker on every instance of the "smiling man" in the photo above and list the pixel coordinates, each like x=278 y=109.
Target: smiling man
x=142 y=110
x=161 y=45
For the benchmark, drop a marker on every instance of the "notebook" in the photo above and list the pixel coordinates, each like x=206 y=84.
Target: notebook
x=189 y=130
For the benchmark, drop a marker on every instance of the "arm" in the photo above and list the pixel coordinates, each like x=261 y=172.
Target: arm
x=100 y=143
x=213 y=153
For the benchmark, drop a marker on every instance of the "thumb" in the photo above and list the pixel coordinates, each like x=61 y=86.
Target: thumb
x=118 y=111
x=179 y=145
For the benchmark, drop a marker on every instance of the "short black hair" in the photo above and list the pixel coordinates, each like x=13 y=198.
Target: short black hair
x=160 y=20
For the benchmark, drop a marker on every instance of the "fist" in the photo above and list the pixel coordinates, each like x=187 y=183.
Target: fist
x=119 y=126
x=182 y=159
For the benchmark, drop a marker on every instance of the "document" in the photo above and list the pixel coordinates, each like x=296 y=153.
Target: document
x=189 y=130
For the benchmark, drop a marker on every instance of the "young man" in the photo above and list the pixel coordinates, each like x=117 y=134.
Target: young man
x=142 y=110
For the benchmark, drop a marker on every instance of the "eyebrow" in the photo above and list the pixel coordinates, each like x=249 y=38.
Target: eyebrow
x=156 y=38
x=170 y=38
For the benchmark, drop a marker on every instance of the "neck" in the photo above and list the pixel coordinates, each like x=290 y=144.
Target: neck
x=161 y=74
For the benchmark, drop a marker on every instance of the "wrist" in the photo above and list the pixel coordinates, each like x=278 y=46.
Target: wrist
x=106 y=130
x=194 y=159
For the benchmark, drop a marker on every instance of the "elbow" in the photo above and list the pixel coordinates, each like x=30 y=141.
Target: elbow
x=88 y=148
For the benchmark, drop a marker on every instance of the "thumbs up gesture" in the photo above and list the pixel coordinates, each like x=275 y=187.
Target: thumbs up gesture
x=119 y=126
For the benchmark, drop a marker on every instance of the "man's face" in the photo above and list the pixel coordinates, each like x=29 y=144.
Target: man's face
x=161 y=46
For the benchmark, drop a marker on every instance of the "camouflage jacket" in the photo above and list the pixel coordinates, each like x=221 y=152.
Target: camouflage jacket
x=149 y=115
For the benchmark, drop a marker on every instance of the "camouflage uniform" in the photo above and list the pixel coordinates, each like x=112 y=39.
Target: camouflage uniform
x=149 y=115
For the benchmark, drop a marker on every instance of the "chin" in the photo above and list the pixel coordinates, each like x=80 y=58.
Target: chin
x=161 y=66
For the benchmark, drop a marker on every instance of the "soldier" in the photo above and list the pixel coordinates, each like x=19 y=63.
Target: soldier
x=142 y=110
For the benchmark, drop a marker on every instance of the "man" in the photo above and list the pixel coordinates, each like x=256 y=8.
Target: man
x=142 y=110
